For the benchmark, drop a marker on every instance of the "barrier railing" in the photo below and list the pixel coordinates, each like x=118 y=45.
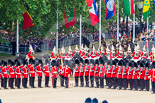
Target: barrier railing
x=148 y=45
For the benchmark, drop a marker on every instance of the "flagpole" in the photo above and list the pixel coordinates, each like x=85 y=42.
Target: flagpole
x=100 y=27
x=80 y=31
x=133 y=26
x=117 y=20
x=57 y=31
x=147 y=32
x=17 y=39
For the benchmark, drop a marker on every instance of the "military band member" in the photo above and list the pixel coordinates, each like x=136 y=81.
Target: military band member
x=91 y=73
x=147 y=76
x=47 y=72
x=96 y=72
x=39 y=72
x=54 y=72
x=153 y=77
x=81 y=73
x=129 y=75
x=119 y=74
x=18 y=74
x=67 y=72
x=86 y=72
x=76 y=72
x=102 y=73
x=135 y=77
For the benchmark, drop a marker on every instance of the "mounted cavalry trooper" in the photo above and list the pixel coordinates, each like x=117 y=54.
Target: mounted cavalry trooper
x=85 y=56
x=81 y=52
x=136 y=55
x=30 y=54
x=102 y=53
x=129 y=53
x=61 y=55
x=120 y=53
x=76 y=53
x=152 y=56
x=112 y=53
x=53 y=54
x=144 y=54
x=107 y=53
x=93 y=54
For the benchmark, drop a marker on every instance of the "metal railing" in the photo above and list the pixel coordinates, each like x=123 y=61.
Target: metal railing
x=148 y=45
x=6 y=49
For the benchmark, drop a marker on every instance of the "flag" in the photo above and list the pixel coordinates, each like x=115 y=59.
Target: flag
x=110 y=8
x=71 y=20
x=128 y=7
x=27 y=20
x=154 y=2
x=93 y=12
x=146 y=9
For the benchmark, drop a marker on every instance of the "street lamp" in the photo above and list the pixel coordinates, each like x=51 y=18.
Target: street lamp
x=140 y=4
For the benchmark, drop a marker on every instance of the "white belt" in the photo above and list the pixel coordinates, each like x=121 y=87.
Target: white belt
x=47 y=71
x=25 y=73
x=18 y=73
x=32 y=72
x=12 y=73
x=39 y=71
x=54 y=72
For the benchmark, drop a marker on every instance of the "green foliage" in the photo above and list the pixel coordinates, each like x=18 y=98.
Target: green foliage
x=44 y=12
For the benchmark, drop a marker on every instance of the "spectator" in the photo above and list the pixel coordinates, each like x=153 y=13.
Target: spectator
x=88 y=100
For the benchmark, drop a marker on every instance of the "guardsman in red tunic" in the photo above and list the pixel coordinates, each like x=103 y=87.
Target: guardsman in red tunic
x=96 y=72
x=119 y=74
x=12 y=75
x=144 y=54
x=91 y=73
x=61 y=73
x=102 y=73
x=135 y=77
x=120 y=53
x=76 y=72
x=114 y=74
x=81 y=73
x=47 y=73
x=54 y=72
x=109 y=71
x=86 y=72
x=153 y=77
x=5 y=75
x=129 y=75
x=141 y=76
x=147 y=76
x=1 y=66
x=8 y=67
x=67 y=72
x=25 y=73
x=112 y=53
x=18 y=74
x=152 y=54
x=30 y=54
x=124 y=75
x=32 y=74
x=39 y=73
x=54 y=54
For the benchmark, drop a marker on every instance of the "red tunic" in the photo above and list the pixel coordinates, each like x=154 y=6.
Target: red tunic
x=81 y=70
x=32 y=71
x=5 y=74
x=61 y=70
x=119 y=56
x=54 y=72
x=109 y=72
x=67 y=71
x=135 y=74
x=18 y=73
x=141 y=73
x=53 y=56
x=114 y=71
x=46 y=71
x=124 y=73
x=29 y=55
x=86 y=70
x=91 y=70
x=96 y=72
x=11 y=72
x=25 y=72
x=119 y=73
x=102 y=71
x=147 y=74
x=130 y=73
x=39 y=70
x=76 y=71
x=112 y=55
x=152 y=76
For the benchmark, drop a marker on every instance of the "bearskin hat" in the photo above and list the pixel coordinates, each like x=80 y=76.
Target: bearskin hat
x=96 y=61
x=135 y=64
x=86 y=61
x=77 y=61
x=109 y=62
